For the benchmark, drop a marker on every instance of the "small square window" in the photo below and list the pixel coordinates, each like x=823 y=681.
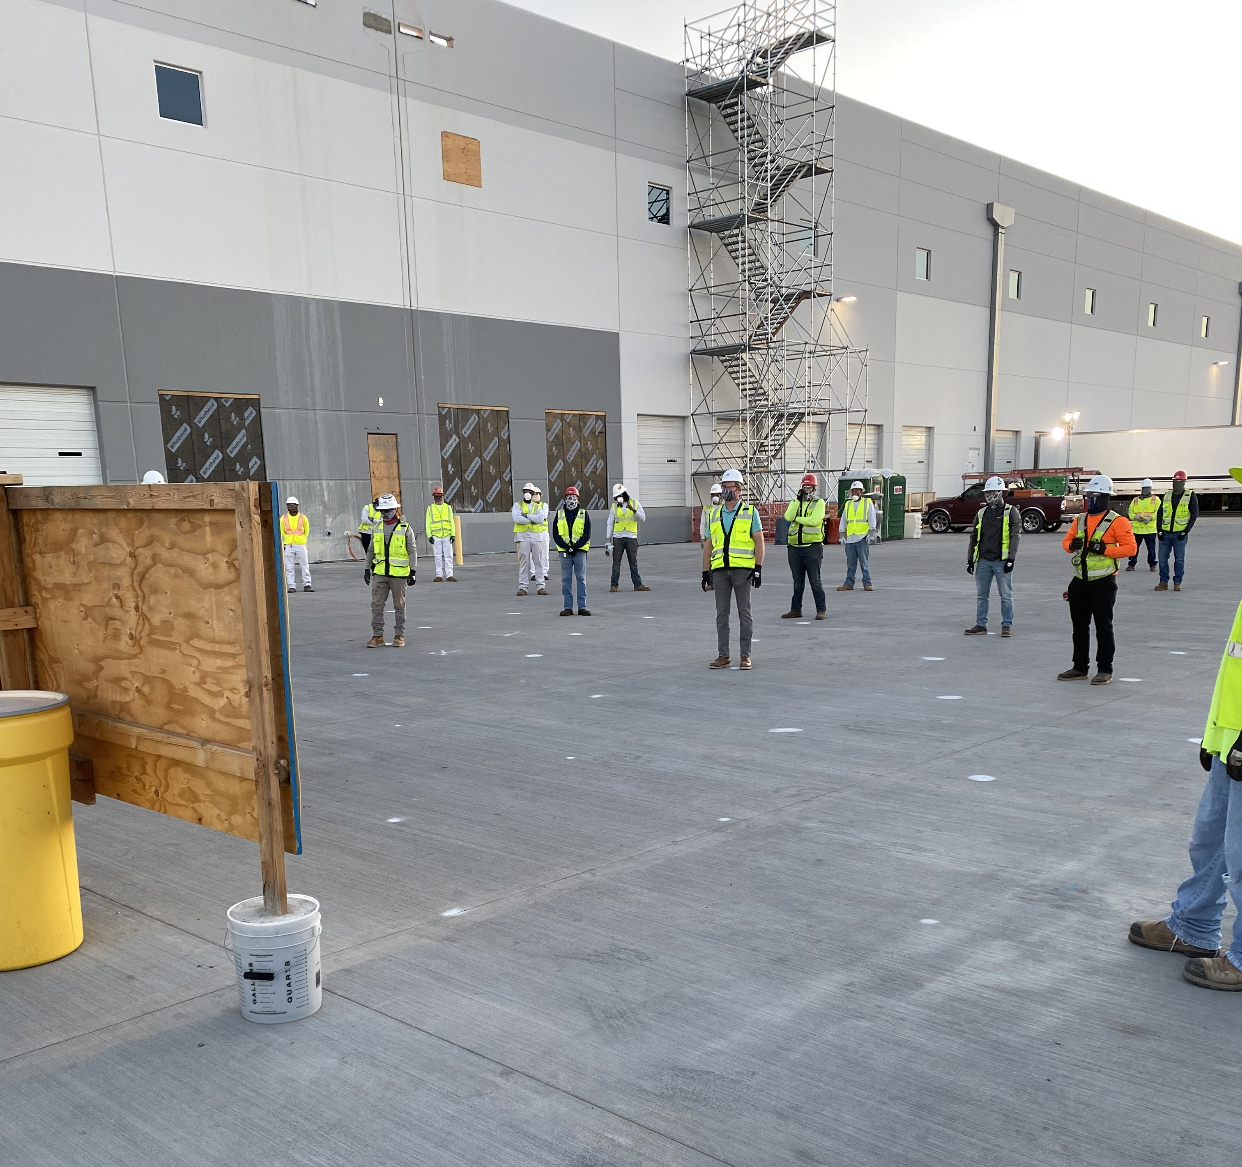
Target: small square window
x=180 y=94
x=922 y=263
x=1205 y=326
x=659 y=204
x=439 y=38
x=1015 y=284
x=409 y=30
x=1153 y=310
x=1088 y=305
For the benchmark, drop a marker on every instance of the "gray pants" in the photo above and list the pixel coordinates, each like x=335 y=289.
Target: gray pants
x=383 y=586
x=728 y=582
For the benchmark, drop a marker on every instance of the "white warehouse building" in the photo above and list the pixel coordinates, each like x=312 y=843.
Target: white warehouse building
x=343 y=245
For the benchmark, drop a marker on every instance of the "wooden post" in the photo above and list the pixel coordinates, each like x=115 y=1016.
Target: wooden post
x=16 y=641
x=251 y=554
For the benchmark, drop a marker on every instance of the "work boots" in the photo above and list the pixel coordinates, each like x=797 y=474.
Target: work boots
x=1213 y=972
x=1177 y=587
x=1072 y=675
x=398 y=642
x=1129 y=567
x=376 y=642
x=1158 y=935
x=792 y=614
x=1161 y=587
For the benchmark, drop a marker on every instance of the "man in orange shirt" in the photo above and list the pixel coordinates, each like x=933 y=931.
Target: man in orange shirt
x=1097 y=539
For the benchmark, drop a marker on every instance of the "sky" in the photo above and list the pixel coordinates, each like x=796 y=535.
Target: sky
x=1134 y=98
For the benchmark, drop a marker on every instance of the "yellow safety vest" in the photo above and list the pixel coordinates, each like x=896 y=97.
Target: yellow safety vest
x=294 y=529
x=735 y=547
x=439 y=520
x=391 y=556
x=811 y=530
x=856 y=522
x=531 y=526
x=1091 y=564
x=563 y=527
x=1004 y=533
x=372 y=520
x=1143 y=514
x=1224 y=720
x=624 y=520
x=1181 y=517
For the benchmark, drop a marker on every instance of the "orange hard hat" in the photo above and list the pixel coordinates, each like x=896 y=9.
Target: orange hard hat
x=1179 y=474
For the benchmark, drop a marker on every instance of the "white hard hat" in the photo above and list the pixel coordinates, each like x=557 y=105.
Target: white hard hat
x=618 y=489
x=1146 y=482
x=856 y=486
x=731 y=476
x=151 y=477
x=994 y=483
x=1100 y=484
x=716 y=488
x=387 y=502
x=291 y=501
x=531 y=487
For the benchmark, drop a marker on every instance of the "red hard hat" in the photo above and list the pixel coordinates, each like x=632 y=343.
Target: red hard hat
x=1180 y=474
x=809 y=480
x=437 y=490
x=572 y=490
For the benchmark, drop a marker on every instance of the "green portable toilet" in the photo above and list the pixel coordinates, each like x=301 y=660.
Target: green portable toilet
x=894 y=522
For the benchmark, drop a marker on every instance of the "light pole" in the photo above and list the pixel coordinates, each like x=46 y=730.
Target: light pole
x=1066 y=430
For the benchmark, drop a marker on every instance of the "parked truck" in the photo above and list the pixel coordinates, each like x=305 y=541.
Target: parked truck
x=1039 y=509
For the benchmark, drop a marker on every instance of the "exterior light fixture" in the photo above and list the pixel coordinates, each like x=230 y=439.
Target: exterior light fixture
x=1219 y=363
x=846 y=299
x=1057 y=434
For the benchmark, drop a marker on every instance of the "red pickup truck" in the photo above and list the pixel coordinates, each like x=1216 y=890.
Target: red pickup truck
x=1040 y=512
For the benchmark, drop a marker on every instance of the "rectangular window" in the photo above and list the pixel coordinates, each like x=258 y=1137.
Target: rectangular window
x=409 y=30
x=577 y=456
x=922 y=263
x=1089 y=302
x=1205 y=326
x=212 y=439
x=180 y=94
x=1153 y=311
x=659 y=204
x=1015 y=284
x=474 y=458
x=439 y=38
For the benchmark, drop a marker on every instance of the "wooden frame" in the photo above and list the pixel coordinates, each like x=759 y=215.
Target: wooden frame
x=160 y=611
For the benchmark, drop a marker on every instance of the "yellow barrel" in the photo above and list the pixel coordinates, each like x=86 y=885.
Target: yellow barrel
x=40 y=903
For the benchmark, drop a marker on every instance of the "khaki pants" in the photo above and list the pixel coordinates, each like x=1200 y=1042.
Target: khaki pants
x=383 y=586
x=732 y=583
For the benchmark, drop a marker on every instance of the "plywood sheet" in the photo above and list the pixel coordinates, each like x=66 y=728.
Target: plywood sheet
x=461 y=158
x=385 y=465
x=139 y=617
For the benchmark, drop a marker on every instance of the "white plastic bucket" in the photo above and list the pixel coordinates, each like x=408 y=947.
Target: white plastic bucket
x=277 y=959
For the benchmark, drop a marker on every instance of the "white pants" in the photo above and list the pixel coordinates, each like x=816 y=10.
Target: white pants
x=539 y=557
x=295 y=556
x=442 y=547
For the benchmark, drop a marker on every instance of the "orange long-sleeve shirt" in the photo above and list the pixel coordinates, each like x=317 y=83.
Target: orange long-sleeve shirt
x=1119 y=541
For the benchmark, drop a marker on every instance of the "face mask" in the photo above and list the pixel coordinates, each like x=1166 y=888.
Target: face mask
x=730 y=495
x=571 y=504
x=1146 y=492
x=1096 y=504
x=715 y=500
x=389 y=516
x=526 y=496
x=992 y=497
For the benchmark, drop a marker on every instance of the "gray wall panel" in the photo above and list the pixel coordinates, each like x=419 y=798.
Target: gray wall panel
x=116 y=443
x=1044 y=206
x=1108 y=256
x=1035 y=236
x=1047 y=284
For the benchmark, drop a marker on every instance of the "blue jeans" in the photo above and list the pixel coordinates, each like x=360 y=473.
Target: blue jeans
x=1170 y=542
x=856 y=556
x=987 y=570
x=1150 y=539
x=573 y=565
x=1216 y=859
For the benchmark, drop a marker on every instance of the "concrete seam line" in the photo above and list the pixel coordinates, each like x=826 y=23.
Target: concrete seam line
x=530 y=1077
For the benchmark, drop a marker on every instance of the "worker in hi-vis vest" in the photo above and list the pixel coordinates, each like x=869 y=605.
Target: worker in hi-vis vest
x=805 y=516
x=1143 y=521
x=440 y=534
x=993 y=548
x=294 y=531
x=857 y=522
x=394 y=563
x=705 y=517
x=1192 y=928
x=732 y=565
x=1178 y=513
x=539 y=548
x=530 y=521
x=621 y=538
x=1097 y=538
x=572 y=532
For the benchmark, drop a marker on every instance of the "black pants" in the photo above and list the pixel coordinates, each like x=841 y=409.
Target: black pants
x=807 y=562
x=1093 y=600
x=628 y=548
x=1139 y=540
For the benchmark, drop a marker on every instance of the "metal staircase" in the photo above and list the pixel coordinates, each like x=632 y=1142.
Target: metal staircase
x=767 y=352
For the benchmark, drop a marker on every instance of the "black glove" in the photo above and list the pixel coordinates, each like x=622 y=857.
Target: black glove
x=366 y=575
x=1233 y=761
x=452 y=538
x=756 y=576
x=413 y=578
x=1008 y=566
x=970 y=569
x=707 y=580
x=1076 y=543
x=1181 y=535
x=1205 y=759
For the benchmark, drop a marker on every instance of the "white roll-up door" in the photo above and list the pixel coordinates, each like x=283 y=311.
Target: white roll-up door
x=661 y=461
x=48 y=436
x=862 y=449
x=916 y=457
x=1005 y=452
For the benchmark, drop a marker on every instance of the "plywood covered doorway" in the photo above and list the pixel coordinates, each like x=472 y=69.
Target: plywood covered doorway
x=385 y=465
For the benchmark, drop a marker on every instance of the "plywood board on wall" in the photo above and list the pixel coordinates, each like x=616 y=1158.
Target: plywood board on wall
x=385 y=465
x=461 y=158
